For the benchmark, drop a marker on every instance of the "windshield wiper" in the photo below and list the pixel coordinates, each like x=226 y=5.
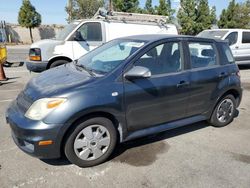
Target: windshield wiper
x=90 y=71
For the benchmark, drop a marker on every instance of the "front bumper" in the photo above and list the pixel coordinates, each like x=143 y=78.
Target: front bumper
x=36 y=66
x=27 y=133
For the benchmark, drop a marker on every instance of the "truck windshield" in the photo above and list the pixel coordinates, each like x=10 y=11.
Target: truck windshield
x=63 y=34
x=214 y=34
x=106 y=58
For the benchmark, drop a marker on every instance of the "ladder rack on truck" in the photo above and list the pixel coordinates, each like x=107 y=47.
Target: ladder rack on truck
x=130 y=17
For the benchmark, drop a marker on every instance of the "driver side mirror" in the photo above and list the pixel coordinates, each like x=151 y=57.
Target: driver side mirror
x=138 y=72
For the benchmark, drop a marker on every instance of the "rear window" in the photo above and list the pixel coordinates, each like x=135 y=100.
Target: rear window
x=228 y=54
x=213 y=34
x=246 y=37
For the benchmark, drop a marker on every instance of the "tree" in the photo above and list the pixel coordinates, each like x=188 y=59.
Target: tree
x=187 y=17
x=81 y=9
x=28 y=17
x=149 y=8
x=213 y=16
x=126 y=5
x=229 y=16
x=165 y=9
x=203 y=18
x=195 y=16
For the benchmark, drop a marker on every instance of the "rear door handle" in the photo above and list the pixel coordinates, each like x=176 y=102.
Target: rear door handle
x=183 y=83
x=223 y=74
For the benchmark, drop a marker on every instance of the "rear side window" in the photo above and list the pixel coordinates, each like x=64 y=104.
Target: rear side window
x=228 y=54
x=91 y=31
x=232 y=38
x=202 y=54
x=246 y=37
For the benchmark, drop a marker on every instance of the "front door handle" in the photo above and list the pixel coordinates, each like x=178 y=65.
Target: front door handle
x=183 y=83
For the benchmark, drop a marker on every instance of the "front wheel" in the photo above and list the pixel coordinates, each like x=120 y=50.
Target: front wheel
x=91 y=142
x=224 y=112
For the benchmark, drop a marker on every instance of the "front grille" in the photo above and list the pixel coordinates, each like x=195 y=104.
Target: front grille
x=24 y=102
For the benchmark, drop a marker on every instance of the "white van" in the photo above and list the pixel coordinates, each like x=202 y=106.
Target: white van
x=80 y=37
x=239 y=41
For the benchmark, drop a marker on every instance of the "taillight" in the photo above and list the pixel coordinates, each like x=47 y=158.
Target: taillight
x=238 y=73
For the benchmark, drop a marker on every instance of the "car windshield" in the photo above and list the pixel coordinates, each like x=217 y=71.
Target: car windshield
x=213 y=34
x=63 y=34
x=110 y=55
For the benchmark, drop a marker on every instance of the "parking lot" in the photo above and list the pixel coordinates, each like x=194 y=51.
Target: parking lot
x=197 y=155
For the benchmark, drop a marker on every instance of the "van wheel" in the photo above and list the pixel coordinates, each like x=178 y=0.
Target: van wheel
x=91 y=142
x=58 y=63
x=224 y=112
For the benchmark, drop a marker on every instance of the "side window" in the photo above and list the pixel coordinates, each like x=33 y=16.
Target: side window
x=246 y=37
x=164 y=58
x=232 y=38
x=202 y=54
x=91 y=31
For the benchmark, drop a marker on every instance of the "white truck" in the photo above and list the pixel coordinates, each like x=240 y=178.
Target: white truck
x=80 y=37
x=238 y=39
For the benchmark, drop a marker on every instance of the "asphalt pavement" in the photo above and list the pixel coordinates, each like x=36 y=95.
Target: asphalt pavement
x=197 y=155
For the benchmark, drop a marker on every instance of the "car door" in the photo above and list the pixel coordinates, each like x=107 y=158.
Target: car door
x=87 y=37
x=162 y=97
x=206 y=74
x=243 y=48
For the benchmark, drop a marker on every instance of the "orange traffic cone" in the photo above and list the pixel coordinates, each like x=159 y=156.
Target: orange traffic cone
x=2 y=74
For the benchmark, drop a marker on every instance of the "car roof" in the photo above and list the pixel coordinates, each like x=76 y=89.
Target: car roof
x=158 y=37
x=227 y=29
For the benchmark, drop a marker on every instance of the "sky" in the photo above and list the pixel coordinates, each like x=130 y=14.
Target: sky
x=53 y=11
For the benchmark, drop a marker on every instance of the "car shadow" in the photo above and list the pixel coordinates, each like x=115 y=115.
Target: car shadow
x=244 y=67
x=141 y=142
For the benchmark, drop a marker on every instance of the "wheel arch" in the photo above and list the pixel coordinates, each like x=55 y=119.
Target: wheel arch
x=231 y=91
x=91 y=115
x=53 y=59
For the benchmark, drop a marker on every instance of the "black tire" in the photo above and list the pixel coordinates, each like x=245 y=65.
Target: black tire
x=58 y=63
x=214 y=120
x=69 y=149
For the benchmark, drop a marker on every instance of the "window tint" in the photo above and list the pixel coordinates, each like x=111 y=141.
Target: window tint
x=164 y=58
x=228 y=54
x=246 y=37
x=232 y=38
x=202 y=54
x=91 y=31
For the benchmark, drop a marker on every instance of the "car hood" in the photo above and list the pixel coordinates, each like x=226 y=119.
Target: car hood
x=47 y=47
x=57 y=81
x=46 y=43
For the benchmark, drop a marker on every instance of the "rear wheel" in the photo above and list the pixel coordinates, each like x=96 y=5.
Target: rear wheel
x=91 y=142
x=58 y=63
x=224 y=112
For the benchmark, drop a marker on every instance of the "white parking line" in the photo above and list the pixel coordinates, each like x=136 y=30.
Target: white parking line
x=16 y=71
x=10 y=90
x=7 y=100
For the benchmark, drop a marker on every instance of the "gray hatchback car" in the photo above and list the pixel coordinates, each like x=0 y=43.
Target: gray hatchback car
x=127 y=88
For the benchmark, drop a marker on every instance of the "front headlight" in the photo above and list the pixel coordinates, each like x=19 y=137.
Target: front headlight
x=42 y=107
x=35 y=54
